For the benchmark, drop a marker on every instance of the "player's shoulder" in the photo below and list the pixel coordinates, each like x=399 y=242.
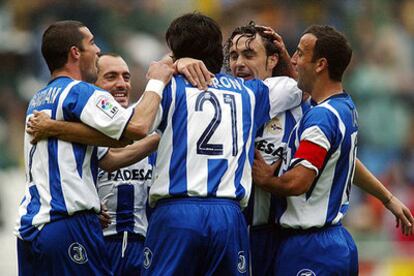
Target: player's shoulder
x=337 y=103
x=87 y=89
x=283 y=80
x=342 y=100
x=322 y=115
x=282 y=83
x=81 y=85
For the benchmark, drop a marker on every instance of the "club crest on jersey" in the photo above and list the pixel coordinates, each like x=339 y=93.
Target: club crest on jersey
x=104 y=104
x=306 y=272
x=241 y=262
x=77 y=253
x=147 y=257
x=274 y=126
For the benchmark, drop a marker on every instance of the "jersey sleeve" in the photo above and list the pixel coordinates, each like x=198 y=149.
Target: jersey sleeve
x=319 y=133
x=284 y=94
x=97 y=109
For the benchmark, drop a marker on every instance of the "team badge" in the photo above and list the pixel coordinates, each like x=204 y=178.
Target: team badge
x=274 y=126
x=104 y=104
x=77 y=253
x=147 y=257
x=306 y=272
x=241 y=262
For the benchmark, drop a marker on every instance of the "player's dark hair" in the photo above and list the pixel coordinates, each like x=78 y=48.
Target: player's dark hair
x=333 y=46
x=57 y=41
x=196 y=36
x=250 y=31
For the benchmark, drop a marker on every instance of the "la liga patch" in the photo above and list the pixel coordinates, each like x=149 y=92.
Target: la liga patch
x=105 y=104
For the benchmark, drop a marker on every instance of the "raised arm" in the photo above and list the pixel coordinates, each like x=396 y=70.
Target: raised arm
x=41 y=126
x=119 y=158
x=142 y=122
x=369 y=183
x=285 y=64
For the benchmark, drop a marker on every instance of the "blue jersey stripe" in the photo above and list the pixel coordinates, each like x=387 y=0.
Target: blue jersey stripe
x=247 y=124
x=216 y=170
x=125 y=208
x=57 y=202
x=26 y=230
x=290 y=123
x=178 y=173
x=340 y=178
x=79 y=152
x=166 y=103
x=94 y=165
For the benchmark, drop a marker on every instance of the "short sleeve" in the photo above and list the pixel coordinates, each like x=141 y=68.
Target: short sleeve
x=284 y=94
x=320 y=126
x=97 y=109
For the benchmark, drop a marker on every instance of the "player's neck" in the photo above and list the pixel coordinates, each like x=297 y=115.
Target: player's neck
x=67 y=72
x=326 y=89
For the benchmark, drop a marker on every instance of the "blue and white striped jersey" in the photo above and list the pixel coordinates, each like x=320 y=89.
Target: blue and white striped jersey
x=125 y=193
x=331 y=125
x=206 y=147
x=271 y=141
x=60 y=175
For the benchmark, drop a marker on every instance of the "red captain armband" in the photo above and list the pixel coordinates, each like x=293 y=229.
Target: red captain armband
x=311 y=152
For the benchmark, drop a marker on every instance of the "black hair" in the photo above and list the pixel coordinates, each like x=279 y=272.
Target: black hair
x=57 y=41
x=250 y=31
x=196 y=36
x=333 y=46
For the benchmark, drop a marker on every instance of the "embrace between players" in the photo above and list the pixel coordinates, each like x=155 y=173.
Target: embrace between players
x=204 y=126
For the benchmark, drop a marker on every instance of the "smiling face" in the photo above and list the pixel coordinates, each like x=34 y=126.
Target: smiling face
x=88 y=56
x=303 y=63
x=114 y=76
x=248 y=58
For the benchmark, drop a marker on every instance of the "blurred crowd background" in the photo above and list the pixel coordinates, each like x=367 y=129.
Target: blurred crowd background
x=380 y=80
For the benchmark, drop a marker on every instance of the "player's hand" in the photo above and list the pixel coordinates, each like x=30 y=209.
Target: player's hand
x=195 y=72
x=277 y=39
x=160 y=71
x=104 y=217
x=283 y=53
x=262 y=172
x=402 y=214
x=37 y=126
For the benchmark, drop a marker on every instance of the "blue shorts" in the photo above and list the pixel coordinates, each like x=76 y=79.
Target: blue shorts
x=196 y=236
x=328 y=251
x=70 y=246
x=264 y=242
x=131 y=262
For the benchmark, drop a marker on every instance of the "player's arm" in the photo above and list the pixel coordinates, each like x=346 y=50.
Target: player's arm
x=285 y=63
x=296 y=181
x=41 y=126
x=369 y=183
x=142 y=122
x=119 y=158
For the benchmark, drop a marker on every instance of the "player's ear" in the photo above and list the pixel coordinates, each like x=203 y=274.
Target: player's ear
x=272 y=61
x=74 y=53
x=321 y=64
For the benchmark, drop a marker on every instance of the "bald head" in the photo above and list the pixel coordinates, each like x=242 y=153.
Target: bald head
x=114 y=76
